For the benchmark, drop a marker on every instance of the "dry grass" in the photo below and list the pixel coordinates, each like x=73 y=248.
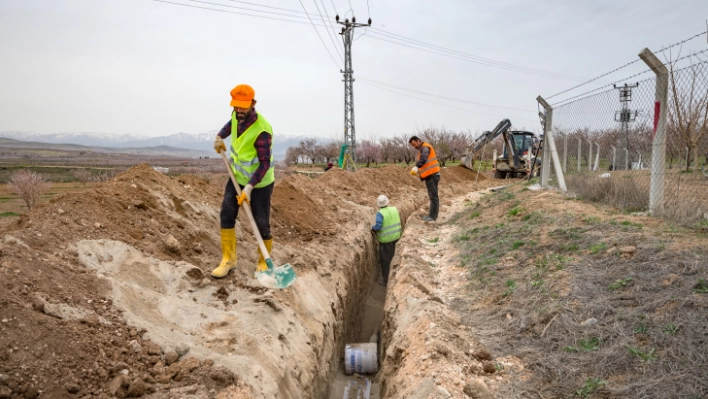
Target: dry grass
x=685 y=194
x=651 y=306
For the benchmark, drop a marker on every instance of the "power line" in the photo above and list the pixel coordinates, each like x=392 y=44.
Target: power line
x=474 y=61
x=330 y=21
x=232 y=12
x=318 y=35
x=246 y=9
x=429 y=101
x=438 y=49
x=259 y=5
x=628 y=64
x=466 y=55
x=443 y=97
x=327 y=30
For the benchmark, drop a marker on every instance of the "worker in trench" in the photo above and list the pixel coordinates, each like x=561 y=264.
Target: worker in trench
x=251 y=160
x=428 y=169
x=388 y=231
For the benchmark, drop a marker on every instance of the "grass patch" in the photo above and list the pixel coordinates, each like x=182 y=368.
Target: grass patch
x=701 y=287
x=474 y=215
x=532 y=218
x=515 y=211
x=433 y=240
x=627 y=225
x=506 y=196
x=461 y=237
x=510 y=287
x=671 y=329
x=585 y=345
x=9 y=214
x=591 y=385
x=641 y=329
x=517 y=244
x=644 y=356
x=597 y=248
x=619 y=284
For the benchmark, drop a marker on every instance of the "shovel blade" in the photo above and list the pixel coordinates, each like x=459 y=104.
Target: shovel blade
x=277 y=277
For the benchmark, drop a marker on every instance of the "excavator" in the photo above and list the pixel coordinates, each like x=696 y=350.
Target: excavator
x=517 y=153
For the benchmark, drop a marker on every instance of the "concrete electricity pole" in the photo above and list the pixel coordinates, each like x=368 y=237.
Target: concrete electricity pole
x=349 y=129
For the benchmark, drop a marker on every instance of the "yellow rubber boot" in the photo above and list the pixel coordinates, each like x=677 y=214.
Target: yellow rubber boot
x=228 y=251
x=262 y=266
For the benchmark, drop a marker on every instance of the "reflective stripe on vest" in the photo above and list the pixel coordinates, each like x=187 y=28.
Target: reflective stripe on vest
x=391 y=229
x=431 y=166
x=244 y=157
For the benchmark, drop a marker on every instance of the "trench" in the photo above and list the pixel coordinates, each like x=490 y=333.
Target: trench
x=365 y=322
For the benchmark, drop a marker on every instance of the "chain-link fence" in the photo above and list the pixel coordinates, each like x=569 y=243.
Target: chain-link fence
x=604 y=142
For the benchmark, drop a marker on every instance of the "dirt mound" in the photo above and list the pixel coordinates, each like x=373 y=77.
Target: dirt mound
x=460 y=174
x=86 y=276
x=297 y=214
x=60 y=333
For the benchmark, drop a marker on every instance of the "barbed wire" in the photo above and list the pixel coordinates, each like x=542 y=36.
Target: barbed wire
x=568 y=100
x=628 y=64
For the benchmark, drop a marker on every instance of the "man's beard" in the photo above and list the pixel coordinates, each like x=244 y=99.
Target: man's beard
x=242 y=116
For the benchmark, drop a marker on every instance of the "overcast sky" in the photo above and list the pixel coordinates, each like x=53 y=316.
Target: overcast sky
x=149 y=68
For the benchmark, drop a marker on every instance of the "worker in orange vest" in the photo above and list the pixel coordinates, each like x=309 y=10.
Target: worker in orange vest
x=428 y=169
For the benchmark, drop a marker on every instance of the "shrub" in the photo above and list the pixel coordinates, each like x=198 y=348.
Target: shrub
x=29 y=186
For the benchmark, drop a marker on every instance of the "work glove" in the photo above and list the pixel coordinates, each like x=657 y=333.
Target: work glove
x=219 y=145
x=414 y=171
x=245 y=194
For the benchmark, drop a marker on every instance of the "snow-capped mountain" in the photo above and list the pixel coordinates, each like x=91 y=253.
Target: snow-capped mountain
x=197 y=142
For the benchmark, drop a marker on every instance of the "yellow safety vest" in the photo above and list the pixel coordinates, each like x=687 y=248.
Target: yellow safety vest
x=391 y=229
x=244 y=157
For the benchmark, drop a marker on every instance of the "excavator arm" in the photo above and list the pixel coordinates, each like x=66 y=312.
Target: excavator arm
x=486 y=138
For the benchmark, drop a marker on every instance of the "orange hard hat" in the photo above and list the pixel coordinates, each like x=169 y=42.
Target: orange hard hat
x=242 y=96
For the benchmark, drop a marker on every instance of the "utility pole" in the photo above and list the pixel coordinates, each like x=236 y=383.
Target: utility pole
x=625 y=115
x=349 y=129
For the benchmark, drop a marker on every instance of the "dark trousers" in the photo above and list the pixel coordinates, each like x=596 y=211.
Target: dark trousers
x=431 y=183
x=386 y=253
x=260 y=206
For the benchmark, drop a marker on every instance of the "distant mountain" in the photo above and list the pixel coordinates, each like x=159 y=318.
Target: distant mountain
x=160 y=150
x=199 y=142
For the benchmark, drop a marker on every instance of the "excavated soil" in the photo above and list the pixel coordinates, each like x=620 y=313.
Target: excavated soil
x=105 y=293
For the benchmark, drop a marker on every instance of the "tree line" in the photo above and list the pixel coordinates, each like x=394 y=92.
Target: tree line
x=449 y=146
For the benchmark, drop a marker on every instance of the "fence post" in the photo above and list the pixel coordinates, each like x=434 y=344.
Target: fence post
x=614 y=157
x=548 y=137
x=626 y=158
x=590 y=155
x=658 y=149
x=580 y=145
x=597 y=158
x=565 y=152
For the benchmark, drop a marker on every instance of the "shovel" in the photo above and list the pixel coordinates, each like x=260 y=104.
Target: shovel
x=274 y=277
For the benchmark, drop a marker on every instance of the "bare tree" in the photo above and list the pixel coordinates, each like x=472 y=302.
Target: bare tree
x=307 y=148
x=331 y=151
x=404 y=152
x=292 y=155
x=29 y=186
x=368 y=151
x=689 y=114
x=81 y=175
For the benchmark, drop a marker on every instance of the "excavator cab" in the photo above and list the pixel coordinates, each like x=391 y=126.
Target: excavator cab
x=517 y=162
x=523 y=141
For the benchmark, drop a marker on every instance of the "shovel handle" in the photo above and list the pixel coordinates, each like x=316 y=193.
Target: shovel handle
x=247 y=208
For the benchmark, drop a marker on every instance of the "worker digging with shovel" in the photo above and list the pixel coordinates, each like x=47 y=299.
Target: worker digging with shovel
x=252 y=178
